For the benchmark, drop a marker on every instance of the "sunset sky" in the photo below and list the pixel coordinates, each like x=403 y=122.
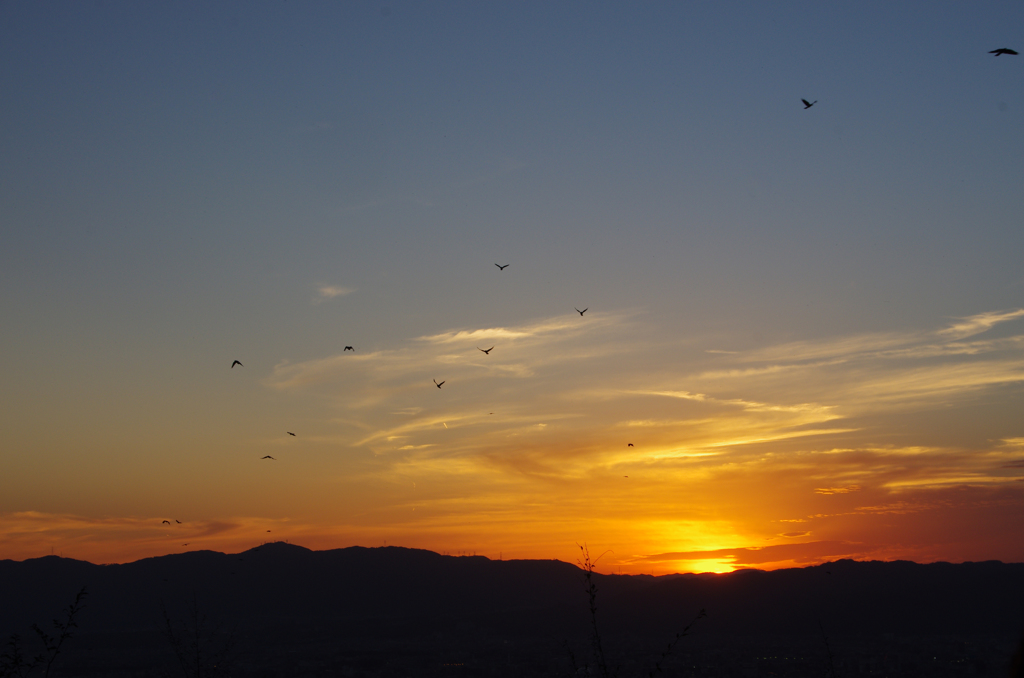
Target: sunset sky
x=809 y=323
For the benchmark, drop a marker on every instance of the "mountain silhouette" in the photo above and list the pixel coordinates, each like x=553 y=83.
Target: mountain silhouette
x=280 y=597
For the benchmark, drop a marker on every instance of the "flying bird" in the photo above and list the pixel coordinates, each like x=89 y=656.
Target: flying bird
x=348 y=348
x=290 y=433
x=186 y=544
x=502 y=268
x=237 y=362
x=1002 y=50
x=488 y=351
x=268 y=457
x=583 y=311
x=177 y=521
x=629 y=445
x=808 y=104
x=437 y=384
x=167 y=522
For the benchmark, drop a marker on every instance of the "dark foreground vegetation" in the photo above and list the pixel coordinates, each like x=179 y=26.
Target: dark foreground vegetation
x=282 y=610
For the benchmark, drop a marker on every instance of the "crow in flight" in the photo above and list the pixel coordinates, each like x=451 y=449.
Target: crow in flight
x=629 y=445
x=348 y=348
x=289 y=433
x=167 y=522
x=583 y=311
x=268 y=457
x=488 y=351
x=808 y=104
x=437 y=384
x=1002 y=50
x=502 y=268
x=237 y=362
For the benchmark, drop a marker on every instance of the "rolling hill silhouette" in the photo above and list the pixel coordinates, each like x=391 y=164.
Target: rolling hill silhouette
x=279 y=597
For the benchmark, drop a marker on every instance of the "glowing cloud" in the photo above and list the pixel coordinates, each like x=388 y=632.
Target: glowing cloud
x=327 y=292
x=976 y=324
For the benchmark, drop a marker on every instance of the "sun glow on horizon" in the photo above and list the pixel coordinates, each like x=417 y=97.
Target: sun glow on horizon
x=715 y=565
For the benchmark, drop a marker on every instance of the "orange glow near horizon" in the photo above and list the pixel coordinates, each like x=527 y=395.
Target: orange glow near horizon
x=755 y=463
x=700 y=566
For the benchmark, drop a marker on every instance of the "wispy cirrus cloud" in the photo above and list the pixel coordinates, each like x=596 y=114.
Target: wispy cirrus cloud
x=982 y=322
x=328 y=292
x=520 y=352
x=869 y=373
x=837 y=490
x=519 y=386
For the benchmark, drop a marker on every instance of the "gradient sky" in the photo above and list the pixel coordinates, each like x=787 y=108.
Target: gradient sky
x=809 y=323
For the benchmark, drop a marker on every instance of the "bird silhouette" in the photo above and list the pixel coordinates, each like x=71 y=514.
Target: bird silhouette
x=1002 y=50
x=629 y=445
x=487 y=351
x=177 y=521
x=437 y=384
x=290 y=433
x=186 y=544
x=348 y=348
x=502 y=268
x=583 y=311
x=167 y=522
x=268 y=457
x=808 y=104
x=237 y=362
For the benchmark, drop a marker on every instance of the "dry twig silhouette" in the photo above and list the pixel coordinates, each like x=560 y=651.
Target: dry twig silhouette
x=13 y=661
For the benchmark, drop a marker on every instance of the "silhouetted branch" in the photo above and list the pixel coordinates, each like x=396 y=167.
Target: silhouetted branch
x=53 y=644
x=13 y=661
x=828 y=651
x=591 y=588
x=679 y=636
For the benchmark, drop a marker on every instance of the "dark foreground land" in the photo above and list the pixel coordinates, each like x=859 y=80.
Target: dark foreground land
x=282 y=610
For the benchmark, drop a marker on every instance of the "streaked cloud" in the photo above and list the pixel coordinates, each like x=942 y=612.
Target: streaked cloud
x=803 y=553
x=837 y=490
x=982 y=322
x=328 y=292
